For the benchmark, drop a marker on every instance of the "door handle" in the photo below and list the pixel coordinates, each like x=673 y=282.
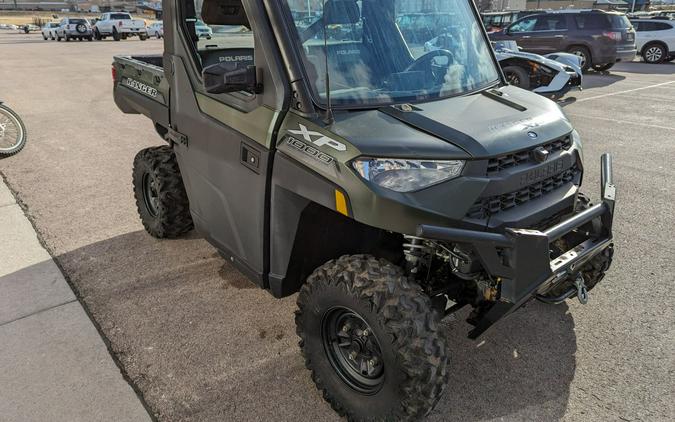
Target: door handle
x=560 y=36
x=526 y=36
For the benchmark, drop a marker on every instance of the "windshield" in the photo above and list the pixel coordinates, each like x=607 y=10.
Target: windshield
x=619 y=21
x=392 y=51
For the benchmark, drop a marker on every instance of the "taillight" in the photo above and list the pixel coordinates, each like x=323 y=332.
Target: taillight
x=114 y=73
x=616 y=36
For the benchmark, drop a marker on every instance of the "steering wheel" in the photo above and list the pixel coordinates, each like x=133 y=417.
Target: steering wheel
x=425 y=63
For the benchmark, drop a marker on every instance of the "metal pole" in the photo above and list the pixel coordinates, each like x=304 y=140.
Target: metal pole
x=632 y=10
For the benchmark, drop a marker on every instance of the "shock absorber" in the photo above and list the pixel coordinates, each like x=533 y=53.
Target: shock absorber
x=414 y=249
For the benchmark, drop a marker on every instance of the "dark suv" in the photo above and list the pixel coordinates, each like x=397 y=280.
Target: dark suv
x=599 y=38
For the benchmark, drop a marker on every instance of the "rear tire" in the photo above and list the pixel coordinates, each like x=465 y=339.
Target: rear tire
x=517 y=76
x=371 y=339
x=654 y=53
x=603 y=67
x=161 y=199
x=583 y=54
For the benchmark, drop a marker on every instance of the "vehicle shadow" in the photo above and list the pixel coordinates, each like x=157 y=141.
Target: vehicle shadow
x=600 y=79
x=667 y=68
x=200 y=342
x=521 y=369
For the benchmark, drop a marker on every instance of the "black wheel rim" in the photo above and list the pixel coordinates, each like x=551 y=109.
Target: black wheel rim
x=353 y=350
x=150 y=196
x=512 y=79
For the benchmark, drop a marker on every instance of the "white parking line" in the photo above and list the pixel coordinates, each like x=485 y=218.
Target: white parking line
x=628 y=122
x=624 y=92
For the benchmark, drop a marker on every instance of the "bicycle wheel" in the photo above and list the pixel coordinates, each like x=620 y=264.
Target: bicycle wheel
x=12 y=132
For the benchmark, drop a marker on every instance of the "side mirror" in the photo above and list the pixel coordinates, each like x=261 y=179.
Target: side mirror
x=225 y=77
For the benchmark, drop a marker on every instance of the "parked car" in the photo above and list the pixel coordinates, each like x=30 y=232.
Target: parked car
x=552 y=75
x=74 y=28
x=203 y=30
x=28 y=27
x=494 y=21
x=156 y=30
x=120 y=26
x=420 y=27
x=655 y=39
x=49 y=30
x=599 y=38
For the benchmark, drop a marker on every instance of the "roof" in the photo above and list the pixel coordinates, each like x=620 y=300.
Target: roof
x=612 y=2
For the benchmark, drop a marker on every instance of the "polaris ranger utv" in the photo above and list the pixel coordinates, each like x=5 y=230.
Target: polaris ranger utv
x=322 y=152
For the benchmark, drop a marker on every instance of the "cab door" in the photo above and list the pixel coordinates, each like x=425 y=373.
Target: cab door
x=550 y=30
x=224 y=142
x=521 y=31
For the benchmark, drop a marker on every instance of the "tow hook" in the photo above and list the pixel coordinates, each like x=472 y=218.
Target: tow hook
x=582 y=291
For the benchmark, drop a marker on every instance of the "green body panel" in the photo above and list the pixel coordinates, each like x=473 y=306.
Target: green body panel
x=388 y=210
x=258 y=124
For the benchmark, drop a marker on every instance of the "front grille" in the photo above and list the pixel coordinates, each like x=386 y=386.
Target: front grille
x=497 y=164
x=485 y=207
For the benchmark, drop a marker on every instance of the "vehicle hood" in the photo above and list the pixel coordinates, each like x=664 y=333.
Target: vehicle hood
x=471 y=126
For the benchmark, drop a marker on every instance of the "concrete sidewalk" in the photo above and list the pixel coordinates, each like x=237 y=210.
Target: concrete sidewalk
x=54 y=365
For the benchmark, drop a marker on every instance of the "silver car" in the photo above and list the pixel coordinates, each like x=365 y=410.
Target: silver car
x=74 y=28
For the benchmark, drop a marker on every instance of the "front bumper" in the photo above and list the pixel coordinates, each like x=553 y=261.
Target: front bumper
x=520 y=258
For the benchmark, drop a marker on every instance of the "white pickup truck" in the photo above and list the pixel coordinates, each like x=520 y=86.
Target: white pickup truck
x=120 y=26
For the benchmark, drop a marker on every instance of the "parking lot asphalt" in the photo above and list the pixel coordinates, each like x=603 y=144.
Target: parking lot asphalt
x=202 y=343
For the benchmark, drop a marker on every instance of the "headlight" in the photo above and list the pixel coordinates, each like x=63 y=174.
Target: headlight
x=403 y=175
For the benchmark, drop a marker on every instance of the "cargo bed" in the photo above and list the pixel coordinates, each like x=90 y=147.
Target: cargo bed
x=140 y=87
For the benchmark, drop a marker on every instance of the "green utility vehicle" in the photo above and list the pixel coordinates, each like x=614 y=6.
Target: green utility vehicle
x=322 y=152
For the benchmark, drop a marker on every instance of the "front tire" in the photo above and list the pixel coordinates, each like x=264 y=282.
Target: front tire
x=517 y=76
x=371 y=339
x=594 y=271
x=13 y=133
x=603 y=67
x=160 y=195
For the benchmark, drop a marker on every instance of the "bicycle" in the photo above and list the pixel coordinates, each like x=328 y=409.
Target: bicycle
x=12 y=132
